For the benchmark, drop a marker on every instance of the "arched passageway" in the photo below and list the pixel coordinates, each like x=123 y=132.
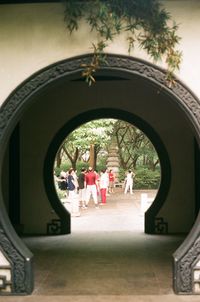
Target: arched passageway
x=112 y=144
x=50 y=98
x=151 y=221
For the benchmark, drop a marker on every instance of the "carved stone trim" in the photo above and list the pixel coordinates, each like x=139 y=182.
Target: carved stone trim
x=161 y=226
x=54 y=227
x=5 y=284
x=196 y=276
x=71 y=68
x=186 y=268
x=5 y=274
x=114 y=62
x=16 y=262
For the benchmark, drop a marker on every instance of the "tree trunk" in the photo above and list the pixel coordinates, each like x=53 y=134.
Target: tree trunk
x=58 y=158
x=73 y=159
x=92 y=156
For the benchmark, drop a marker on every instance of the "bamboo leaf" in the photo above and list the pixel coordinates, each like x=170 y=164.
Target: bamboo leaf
x=149 y=24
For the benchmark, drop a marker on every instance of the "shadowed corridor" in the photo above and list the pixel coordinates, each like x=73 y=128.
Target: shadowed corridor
x=106 y=254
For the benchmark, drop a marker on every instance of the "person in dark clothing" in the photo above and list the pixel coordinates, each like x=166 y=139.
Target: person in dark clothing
x=73 y=196
x=82 y=189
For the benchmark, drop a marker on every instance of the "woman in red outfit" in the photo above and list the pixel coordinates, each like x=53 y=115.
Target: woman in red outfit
x=103 y=184
x=111 y=181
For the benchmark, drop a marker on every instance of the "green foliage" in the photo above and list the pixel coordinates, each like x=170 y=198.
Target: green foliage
x=122 y=174
x=101 y=163
x=65 y=166
x=134 y=147
x=147 y=24
x=136 y=152
x=96 y=132
x=144 y=178
x=147 y=179
x=61 y=193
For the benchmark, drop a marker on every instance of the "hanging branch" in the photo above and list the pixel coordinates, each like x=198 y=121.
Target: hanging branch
x=145 y=21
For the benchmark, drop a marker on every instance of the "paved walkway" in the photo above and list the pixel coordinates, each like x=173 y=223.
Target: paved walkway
x=122 y=213
x=106 y=258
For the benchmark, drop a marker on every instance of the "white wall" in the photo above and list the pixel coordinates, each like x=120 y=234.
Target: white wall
x=34 y=36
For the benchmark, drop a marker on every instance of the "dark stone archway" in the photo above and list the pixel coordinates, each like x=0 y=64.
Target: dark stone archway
x=153 y=223
x=17 y=259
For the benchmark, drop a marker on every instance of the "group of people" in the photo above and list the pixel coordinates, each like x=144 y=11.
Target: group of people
x=89 y=184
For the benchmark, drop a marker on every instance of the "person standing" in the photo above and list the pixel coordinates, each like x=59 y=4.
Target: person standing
x=111 y=181
x=129 y=182
x=97 y=184
x=82 y=190
x=73 y=196
x=103 y=185
x=91 y=186
x=62 y=181
x=75 y=180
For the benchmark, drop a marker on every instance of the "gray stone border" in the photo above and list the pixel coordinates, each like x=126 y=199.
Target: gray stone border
x=13 y=108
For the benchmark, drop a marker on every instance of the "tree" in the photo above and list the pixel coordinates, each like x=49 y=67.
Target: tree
x=94 y=139
x=134 y=147
x=92 y=136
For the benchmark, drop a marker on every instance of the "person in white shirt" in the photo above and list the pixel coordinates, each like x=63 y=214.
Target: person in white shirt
x=129 y=182
x=103 y=185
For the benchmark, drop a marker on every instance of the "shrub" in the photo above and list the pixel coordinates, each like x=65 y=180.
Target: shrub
x=147 y=179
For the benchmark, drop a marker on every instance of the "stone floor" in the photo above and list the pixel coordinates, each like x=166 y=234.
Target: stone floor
x=106 y=258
